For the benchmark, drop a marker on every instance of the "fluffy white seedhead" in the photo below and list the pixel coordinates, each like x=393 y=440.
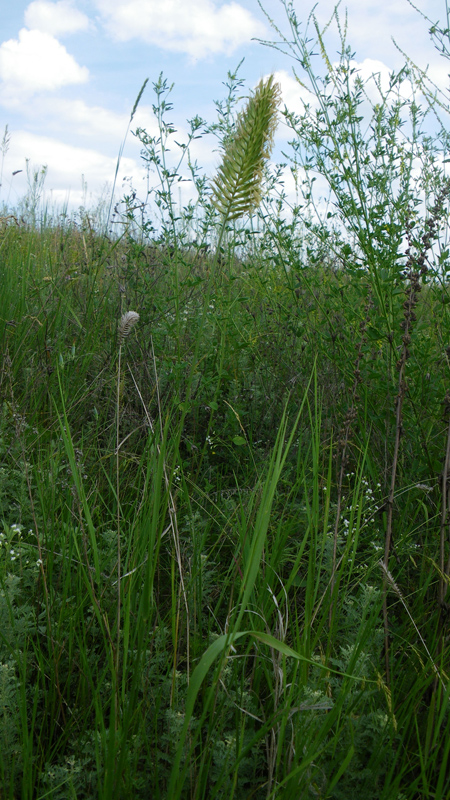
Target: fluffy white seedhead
x=126 y=323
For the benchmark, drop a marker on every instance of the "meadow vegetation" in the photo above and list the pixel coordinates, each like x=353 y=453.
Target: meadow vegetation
x=225 y=461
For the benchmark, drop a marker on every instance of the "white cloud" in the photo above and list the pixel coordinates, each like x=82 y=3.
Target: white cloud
x=66 y=165
x=374 y=74
x=76 y=119
x=294 y=95
x=376 y=77
x=83 y=120
x=35 y=62
x=198 y=28
x=371 y=70
x=55 y=18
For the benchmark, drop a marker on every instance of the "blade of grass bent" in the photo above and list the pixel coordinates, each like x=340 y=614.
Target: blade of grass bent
x=221 y=647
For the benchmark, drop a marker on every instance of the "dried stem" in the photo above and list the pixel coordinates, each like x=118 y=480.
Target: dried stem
x=126 y=323
x=444 y=568
x=415 y=270
x=390 y=580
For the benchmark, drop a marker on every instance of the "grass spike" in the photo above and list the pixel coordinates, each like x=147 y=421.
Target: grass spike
x=126 y=323
x=237 y=187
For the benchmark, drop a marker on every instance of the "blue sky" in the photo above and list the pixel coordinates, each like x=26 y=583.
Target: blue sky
x=70 y=72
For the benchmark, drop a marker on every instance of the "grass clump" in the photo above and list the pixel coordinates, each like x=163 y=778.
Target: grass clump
x=224 y=560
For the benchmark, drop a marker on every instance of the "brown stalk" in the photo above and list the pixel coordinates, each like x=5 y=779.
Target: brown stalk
x=415 y=269
x=444 y=568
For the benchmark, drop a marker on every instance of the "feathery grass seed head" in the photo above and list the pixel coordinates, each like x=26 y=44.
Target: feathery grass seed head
x=236 y=189
x=126 y=323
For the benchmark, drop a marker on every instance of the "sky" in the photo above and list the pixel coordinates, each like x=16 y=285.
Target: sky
x=71 y=70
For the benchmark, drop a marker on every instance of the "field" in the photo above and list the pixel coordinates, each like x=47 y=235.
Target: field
x=225 y=466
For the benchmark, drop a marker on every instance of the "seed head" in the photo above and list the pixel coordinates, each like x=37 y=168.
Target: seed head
x=126 y=323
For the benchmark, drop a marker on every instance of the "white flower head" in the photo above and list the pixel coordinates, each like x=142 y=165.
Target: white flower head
x=126 y=323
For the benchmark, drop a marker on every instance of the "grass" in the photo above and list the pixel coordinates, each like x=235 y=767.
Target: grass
x=224 y=557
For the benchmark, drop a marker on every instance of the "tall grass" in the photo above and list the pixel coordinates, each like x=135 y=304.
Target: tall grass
x=224 y=466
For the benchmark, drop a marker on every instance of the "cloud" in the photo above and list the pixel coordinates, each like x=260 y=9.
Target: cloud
x=83 y=120
x=374 y=74
x=35 y=62
x=376 y=77
x=294 y=95
x=198 y=28
x=76 y=121
x=102 y=123
x=55 y=18
x=66 y=165
x=371 y=70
